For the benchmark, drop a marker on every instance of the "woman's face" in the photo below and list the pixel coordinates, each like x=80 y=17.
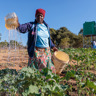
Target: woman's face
x=39 y=18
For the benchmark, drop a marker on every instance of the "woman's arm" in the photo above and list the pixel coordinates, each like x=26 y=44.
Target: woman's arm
x=53 y=47
x=23 y=28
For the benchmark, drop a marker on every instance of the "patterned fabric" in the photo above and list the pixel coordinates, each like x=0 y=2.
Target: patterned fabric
x=41 y=59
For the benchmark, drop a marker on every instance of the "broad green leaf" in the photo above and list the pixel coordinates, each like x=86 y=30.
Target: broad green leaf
x=33 y=89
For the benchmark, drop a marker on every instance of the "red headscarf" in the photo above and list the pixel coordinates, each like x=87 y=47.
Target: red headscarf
x=42 y=11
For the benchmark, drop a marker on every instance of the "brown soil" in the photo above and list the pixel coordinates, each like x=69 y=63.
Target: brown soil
x=17 y=59
x=13 y=59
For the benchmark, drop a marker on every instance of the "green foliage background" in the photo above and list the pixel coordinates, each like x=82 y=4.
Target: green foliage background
x=63 y=38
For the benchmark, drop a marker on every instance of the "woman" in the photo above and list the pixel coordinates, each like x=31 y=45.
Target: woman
x=39 y=42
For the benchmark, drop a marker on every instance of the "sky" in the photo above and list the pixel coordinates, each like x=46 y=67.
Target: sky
x=59 y=13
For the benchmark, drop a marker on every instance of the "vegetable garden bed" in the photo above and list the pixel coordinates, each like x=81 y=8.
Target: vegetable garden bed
x=77 y=79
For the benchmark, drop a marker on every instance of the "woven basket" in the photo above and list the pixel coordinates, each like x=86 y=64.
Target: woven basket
x=60 y=60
